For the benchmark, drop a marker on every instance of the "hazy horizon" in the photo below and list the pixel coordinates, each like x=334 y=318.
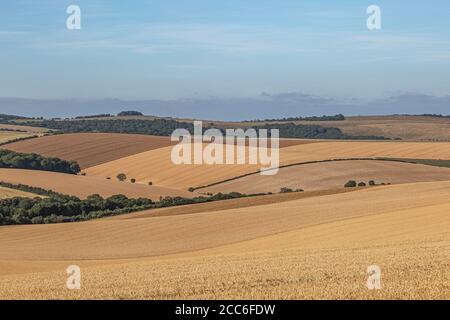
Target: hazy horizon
x=263 y=106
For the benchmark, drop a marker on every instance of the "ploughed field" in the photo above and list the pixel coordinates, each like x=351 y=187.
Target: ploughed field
x=90 y=149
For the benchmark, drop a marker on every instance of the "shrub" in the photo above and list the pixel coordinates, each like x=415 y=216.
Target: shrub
x=133 y=180
x=372 y=183
x=350 y=184
x=150 y=183
x=286 y=190
x=121 y=177
x=191 y=189
x=361 y=184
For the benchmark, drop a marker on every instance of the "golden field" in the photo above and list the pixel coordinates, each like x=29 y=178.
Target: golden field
x=82 y=187
x=321 y=254
x=333 y=174
x=6 y=136
x=315 y=244
x=6 y=193
x=156 y=166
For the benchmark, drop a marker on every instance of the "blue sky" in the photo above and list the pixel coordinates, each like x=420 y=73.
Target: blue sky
x=232 y=49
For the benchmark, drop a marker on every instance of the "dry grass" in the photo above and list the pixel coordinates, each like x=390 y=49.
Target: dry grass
x=90 y=149
x=328 y=175
x=6 y=193
x=6 y=136
x=28 y=129
x=83 y=187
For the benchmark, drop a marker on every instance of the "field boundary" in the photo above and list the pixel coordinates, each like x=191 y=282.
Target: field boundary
x=429 y=162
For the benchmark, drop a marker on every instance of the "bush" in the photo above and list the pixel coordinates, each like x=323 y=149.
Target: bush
x=286 y=190
x=361 y=184
x=150 y=183
x=350 y=184
x=133 y=180
x=372 y=183
x=121 y=177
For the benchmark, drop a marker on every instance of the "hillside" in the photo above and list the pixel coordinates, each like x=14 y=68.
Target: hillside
x=82 y=187
x=321 y=253
x=90 y=149
x=155 y=165
x=329 y=175
x=11 y=193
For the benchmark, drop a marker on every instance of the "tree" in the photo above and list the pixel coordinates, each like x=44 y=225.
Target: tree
x=121 y=177
x=133 y=180
x=150 y=183
x=371 y=183
x=350 y=184
x=361 y=184
x=286 y=190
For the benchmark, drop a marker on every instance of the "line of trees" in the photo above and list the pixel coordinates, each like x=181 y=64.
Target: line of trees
x=32 y=161
x=292 y=130
x=55 y=207
x=157 y=127
x=337 y=117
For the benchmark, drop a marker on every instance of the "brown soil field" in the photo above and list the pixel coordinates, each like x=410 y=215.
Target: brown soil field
x=90 y=149
x=156 y=236
x=82 y=187
x=329 y=175
x=323 y=254
x=156 y=165
x=6 y=193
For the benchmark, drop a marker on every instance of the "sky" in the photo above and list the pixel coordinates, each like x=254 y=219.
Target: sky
x=233 y=53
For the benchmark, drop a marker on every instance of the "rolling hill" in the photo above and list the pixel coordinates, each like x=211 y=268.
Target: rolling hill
x=334 y=174
x=316 y=249
x=90 y=149
x=156 y=166
x=82 y=187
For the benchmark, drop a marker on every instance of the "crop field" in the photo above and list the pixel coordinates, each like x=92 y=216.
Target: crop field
x=408 y=128
x=6 y=193
x=321 y=254
x=315 y=244
x=6 y=136
x=333 y=174
x=90 y=149
x=155 y=165
x=83 y=187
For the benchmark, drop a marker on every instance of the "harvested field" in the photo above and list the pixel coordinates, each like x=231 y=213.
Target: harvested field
x=156 y=236
x=27 y=129
x=6 y=193
x=6 y=136
x=409 y=128
x=82 y=187
x=229 y=204
x=90 y=149
x=156 y=165
x=329 y=175
x=323 y=259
